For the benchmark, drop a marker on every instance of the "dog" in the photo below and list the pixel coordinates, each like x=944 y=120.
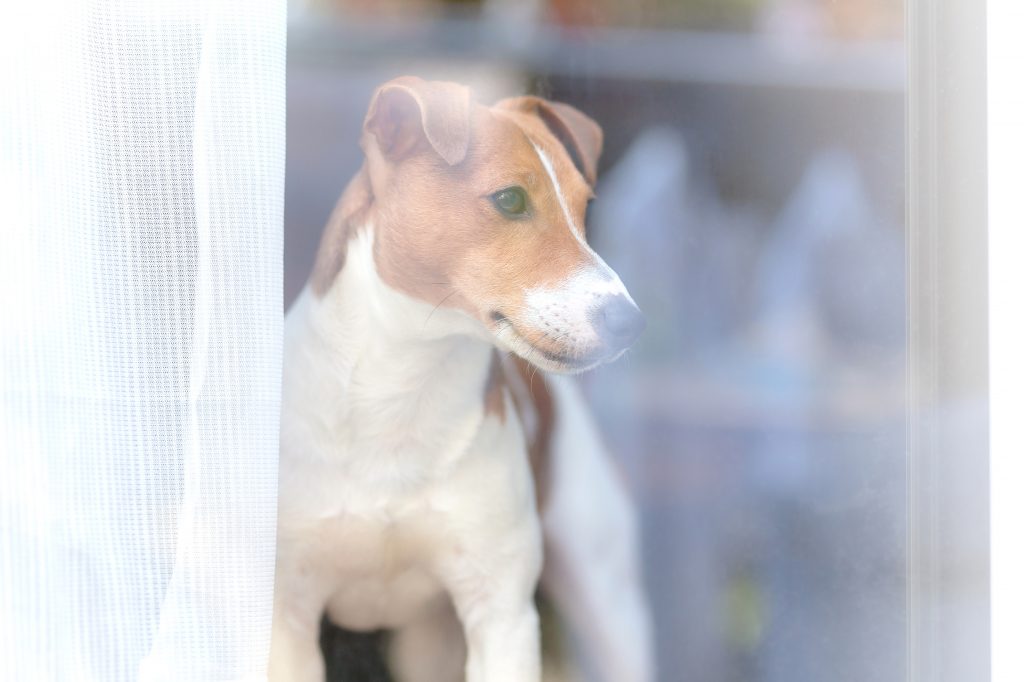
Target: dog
x=435 y=464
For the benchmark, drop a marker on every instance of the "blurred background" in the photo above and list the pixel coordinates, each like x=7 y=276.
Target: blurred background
x=751 y=197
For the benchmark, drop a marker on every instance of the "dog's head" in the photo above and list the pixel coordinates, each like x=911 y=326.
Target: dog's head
x=482 y=209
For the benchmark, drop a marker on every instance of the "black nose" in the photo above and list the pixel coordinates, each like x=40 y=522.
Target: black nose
x=619 y=323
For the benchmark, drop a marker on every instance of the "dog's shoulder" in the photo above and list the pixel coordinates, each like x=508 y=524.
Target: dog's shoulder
x=349 y=214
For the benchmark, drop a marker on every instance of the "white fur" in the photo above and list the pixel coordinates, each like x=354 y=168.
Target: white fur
x=397 y=490
x=403 y=505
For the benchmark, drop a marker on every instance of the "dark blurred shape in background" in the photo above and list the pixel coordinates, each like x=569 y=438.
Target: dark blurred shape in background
x=751 y=198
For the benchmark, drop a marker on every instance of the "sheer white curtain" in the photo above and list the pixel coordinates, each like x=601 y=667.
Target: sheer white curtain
x=141 y=190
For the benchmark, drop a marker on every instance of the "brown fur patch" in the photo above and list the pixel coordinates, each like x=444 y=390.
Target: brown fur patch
x=348 y=214
x=408 y=111
x=494 y=388
x=578 y=133
x=539 y=442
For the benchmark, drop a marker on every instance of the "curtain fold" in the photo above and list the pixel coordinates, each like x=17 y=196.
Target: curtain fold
x=141 y=180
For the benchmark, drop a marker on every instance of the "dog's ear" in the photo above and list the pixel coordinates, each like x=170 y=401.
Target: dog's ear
x=578 y=133
x=406 y=111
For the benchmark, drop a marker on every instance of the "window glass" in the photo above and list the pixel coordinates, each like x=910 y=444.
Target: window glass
x=751 y=196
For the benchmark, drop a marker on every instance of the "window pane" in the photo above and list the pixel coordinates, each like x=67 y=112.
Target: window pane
x=752 y=196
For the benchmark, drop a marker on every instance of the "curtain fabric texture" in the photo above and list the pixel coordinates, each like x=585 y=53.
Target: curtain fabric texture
x=141 y=180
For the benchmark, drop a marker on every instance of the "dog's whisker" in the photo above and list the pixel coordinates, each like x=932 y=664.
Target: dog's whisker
x=440 y=303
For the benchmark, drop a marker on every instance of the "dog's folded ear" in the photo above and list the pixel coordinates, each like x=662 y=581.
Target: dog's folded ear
x=578 y=133
x=407 y=111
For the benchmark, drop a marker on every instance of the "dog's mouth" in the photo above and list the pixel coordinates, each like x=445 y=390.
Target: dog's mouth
x=563 y=361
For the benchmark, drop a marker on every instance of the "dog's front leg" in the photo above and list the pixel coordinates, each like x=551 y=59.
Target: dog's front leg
x=294 y=642
x=494 y=602
x=503 y=641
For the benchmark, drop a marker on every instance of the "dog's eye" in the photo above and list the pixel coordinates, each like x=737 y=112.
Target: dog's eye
x=511 y=201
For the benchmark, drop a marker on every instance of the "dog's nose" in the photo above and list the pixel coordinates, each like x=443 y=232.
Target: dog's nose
x=619 y=323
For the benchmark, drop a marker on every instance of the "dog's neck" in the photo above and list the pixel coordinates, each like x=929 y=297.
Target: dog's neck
x=411 y=375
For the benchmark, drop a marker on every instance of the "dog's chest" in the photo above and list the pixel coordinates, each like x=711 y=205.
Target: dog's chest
x=390 y=462
x=371 y=512
x=376 y=561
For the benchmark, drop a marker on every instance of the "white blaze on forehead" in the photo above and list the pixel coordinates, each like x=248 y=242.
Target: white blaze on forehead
x=596 y=280
x=546 y=162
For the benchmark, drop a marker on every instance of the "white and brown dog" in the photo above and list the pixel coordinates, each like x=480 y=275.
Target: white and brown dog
x=427 y=477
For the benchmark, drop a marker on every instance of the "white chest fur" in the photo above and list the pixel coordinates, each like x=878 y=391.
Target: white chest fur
x=389 y=465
